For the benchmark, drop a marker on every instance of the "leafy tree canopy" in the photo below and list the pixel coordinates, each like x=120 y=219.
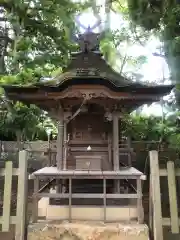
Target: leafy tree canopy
x=35 y=41
x=162 y=17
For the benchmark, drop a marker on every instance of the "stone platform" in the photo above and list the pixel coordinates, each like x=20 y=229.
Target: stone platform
x=125 y=213
x=88 y=231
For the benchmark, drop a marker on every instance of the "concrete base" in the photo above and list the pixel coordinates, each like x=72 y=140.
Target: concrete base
x=86 y=213
x=87 y=231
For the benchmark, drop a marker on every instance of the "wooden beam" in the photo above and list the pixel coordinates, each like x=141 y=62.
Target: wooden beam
x=167 y=222
x=15 y=172
x=12 y=220
x=164 y=173
x=84 y=176
x=88 y=195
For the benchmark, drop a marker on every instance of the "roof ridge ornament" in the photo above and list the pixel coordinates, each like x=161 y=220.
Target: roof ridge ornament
x=89 y=41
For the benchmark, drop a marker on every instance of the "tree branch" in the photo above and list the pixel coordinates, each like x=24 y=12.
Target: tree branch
x=158 y=55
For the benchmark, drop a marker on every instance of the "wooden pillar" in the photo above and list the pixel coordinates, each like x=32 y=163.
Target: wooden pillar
x=22 y=197
x=156 y=195
x=139 y=202
x=65 y=130
x=70 y=199
x=60 y=141
x=116 y=149
x=150 y=206
x=104 y=199
x=171 y=177
x=118 y=185
x=109 y=148
x=116 y=142
x=65 y=147
x=35 y=201
x=129 y=152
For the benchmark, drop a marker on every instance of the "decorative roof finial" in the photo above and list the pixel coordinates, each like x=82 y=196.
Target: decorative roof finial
x=89 y=41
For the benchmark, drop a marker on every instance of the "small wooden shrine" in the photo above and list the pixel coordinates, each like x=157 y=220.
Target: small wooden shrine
x=88 y=101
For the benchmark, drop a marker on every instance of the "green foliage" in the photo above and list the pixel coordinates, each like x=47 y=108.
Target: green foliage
x=37 y=33
x=25 y=77
x=19 y=120
x=164 y=18
x=142 y=128
x=35 y=42
x=146 y=12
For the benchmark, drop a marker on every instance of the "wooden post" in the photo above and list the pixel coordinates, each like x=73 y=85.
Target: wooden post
x=156 y=196
x=60 y=140
x=150 y=205
x=116 y=147
x=70 y=199
x=21 y=196
x=35 y=201
x=129 y=152
x=116 y=142
x=104 y=199
x=7 y=197
x=65 y=146
x=139 y=202
x=118 y=185
x=172 y=197
x=109 y=149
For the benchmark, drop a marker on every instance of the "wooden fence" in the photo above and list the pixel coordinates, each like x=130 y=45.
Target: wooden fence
x=156 y=221
x=19 y=220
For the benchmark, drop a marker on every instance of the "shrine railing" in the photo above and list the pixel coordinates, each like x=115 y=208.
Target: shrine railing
x=128 y=208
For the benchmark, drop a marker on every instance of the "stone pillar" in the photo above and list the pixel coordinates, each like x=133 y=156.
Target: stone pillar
x=116 y=142
x=60 y=141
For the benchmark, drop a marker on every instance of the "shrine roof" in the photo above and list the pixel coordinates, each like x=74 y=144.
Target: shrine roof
x=89 y=69
x=92 y=76
x=134 y=88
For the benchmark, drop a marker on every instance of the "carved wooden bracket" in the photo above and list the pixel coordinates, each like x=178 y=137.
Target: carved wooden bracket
x=86 y=94
x=108 y=116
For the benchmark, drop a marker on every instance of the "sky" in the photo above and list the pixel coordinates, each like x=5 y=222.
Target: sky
x=154 y=70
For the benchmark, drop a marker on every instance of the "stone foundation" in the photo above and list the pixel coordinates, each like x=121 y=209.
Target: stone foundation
x=90 y=231
x=86 y=213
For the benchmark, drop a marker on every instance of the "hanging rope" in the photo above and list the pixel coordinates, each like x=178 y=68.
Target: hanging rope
x=77 y=112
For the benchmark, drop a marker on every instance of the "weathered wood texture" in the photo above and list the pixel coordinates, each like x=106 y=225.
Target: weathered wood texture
x=19 y=220
x=156 y=196
x=156 y=221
